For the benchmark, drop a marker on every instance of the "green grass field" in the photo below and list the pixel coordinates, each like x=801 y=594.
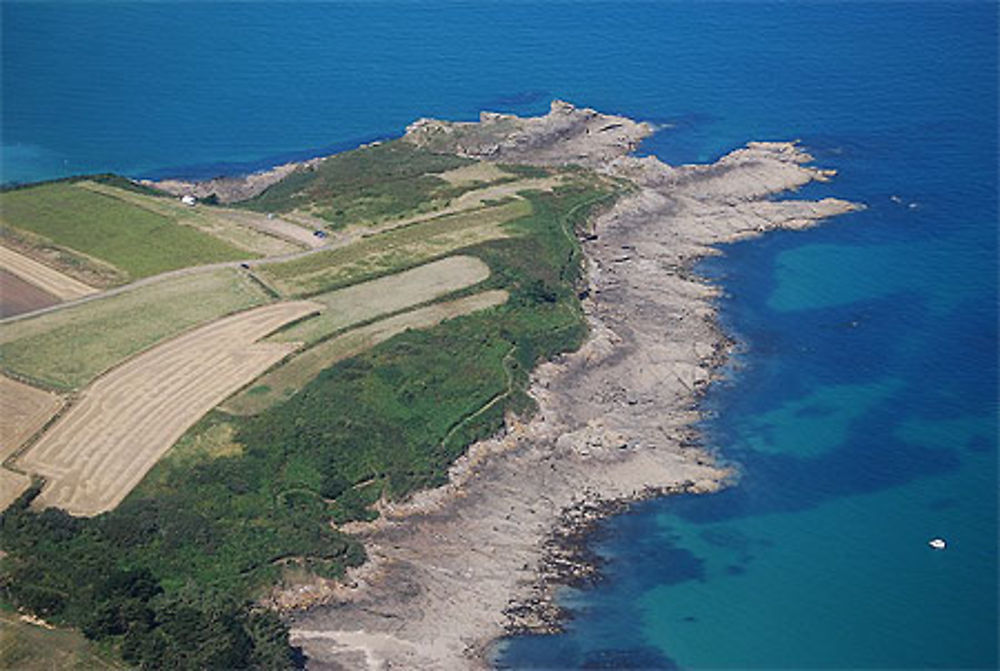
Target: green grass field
x=231 y=226
x=394 y=250
x=131 y=238
x=68 y=348
x=368 y=184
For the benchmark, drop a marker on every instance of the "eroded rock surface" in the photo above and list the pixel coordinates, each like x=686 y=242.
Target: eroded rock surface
x=567 y=134
x=459 y=566
x=231 y=189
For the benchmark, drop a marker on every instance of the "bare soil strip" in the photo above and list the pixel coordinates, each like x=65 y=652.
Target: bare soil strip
x=367 y=300
x=100 y=450
x=73 y=263
x=477 y=198
x=282 y=383
x=18 y=296
x=52 y=281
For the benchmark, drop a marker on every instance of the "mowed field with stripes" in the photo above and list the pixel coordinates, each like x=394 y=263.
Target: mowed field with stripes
x=126 y=420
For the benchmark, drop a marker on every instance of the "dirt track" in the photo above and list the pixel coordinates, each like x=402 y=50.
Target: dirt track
x=126 y=420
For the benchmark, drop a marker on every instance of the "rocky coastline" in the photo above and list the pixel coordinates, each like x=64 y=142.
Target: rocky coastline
x=456 y=568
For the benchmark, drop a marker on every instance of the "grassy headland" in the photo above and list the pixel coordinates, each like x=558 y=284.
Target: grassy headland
x=366 y=185
x=169 y=576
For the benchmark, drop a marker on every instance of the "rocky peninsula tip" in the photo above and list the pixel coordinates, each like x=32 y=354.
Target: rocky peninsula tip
x=456 y=568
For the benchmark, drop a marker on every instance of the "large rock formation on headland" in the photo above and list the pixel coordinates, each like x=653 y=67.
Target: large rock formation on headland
x=459 y=566
x=567 y=134
x=230 y=189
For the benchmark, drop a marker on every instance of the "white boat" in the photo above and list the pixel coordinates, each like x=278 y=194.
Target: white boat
x=937 y=543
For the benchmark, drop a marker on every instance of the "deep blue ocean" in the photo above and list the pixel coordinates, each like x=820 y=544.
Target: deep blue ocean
x=861 y=410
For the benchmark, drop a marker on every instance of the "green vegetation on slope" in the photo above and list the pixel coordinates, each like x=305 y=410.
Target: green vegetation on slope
x=393 y=250
x=31 y=647
x=240 y=501
x=290 y=376
x=369 y=184
x=68 y=348
x=72 y=578
x=131 y=238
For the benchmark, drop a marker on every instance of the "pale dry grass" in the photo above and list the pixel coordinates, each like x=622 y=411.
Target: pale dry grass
x=478 y=198
x=23 y=411
x=367 y=300
x=480 y=171
x=45 y=278
x=284 y=381
x=12 y=485
x=103 y=446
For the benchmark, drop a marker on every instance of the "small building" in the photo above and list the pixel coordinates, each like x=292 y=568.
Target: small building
x=189 y=200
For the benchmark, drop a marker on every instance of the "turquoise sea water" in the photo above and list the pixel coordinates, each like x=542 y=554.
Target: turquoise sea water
x=862 y=411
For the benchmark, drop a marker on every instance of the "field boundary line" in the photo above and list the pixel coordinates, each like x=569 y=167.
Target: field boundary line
x=37 y=274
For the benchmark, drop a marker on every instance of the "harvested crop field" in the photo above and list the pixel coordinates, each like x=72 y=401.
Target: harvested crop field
x=12 y=485
x=23 y=411
x=104 y=445
x=128 y=237
x=18 y=296
x=395 y=249
x=367 y=300
x=48 y=280
x=282 y=383
x=67 y=348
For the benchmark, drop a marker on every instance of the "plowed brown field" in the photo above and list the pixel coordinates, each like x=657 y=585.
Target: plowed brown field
x=126 y=420
x=18 y=296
